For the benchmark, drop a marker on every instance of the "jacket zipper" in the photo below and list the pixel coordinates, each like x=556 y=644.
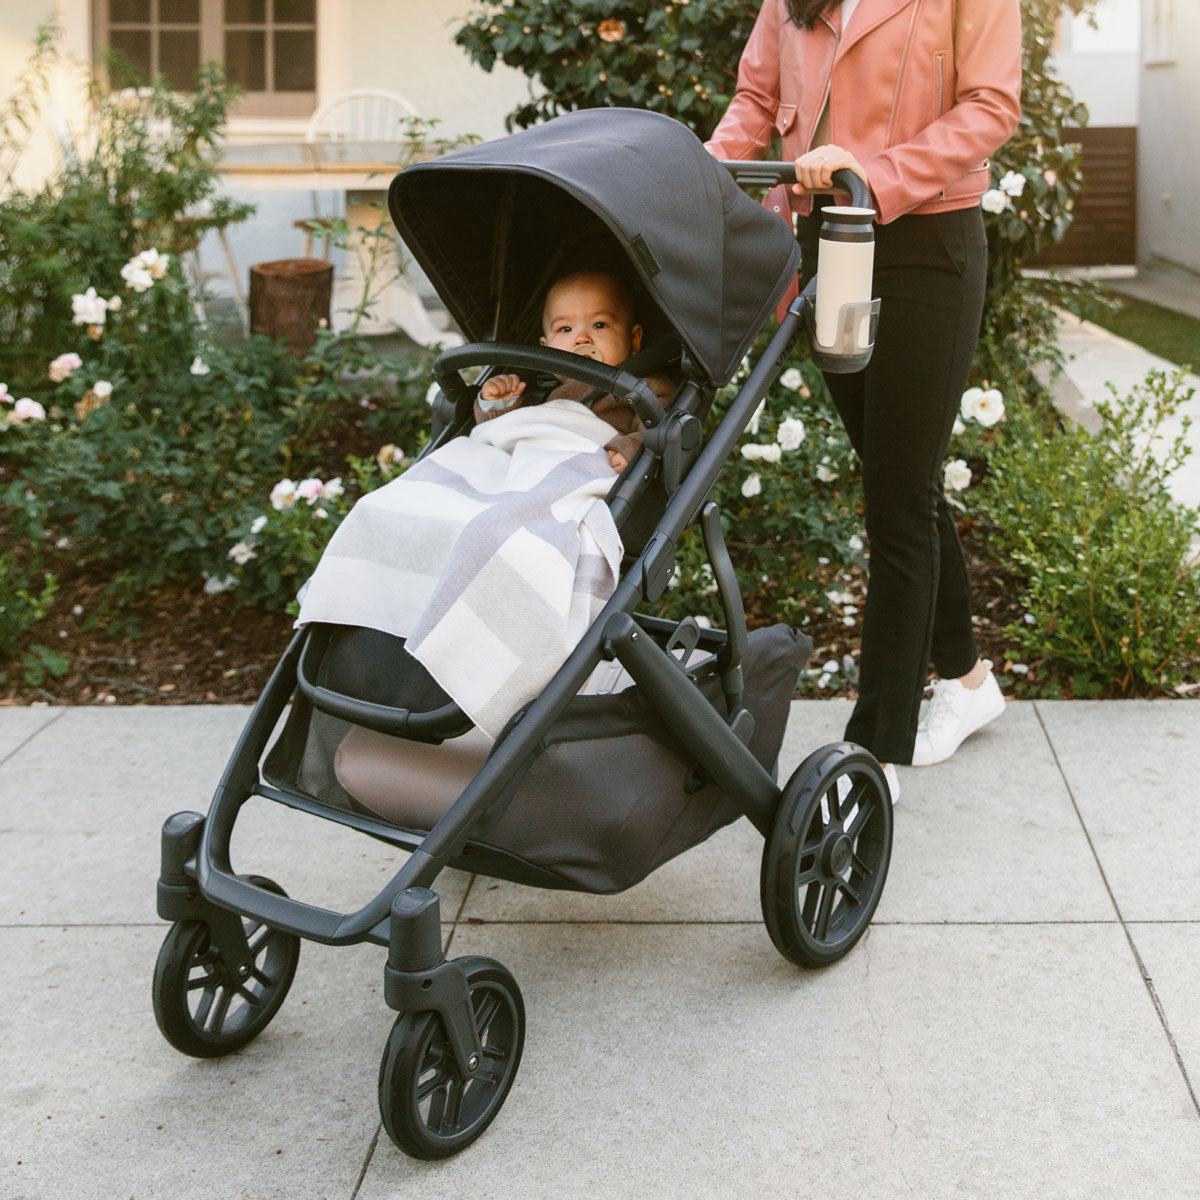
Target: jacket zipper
x=941 y=61
x=900 y=73
x=828 y=85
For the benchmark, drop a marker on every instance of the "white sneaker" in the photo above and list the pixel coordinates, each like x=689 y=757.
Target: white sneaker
x=954 y=713
x=889 y=773
x=893 y=781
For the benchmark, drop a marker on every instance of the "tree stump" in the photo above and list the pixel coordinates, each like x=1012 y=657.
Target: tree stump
x=289 y=298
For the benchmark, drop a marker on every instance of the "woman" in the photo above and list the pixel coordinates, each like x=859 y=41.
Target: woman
x=911 y=95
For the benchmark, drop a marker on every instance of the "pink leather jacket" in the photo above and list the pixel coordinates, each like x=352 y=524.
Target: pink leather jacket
x=920 y=92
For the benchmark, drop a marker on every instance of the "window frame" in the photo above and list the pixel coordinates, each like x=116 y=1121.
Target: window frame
x=1158 y=33
x=291 y=106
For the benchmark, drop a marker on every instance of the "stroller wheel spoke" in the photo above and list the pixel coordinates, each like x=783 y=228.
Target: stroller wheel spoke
x=821 y=929
x=205 y=1006
x=216 y=1016
x=866 y=811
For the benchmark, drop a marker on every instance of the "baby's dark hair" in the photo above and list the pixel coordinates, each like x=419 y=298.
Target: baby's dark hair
x=625 y=290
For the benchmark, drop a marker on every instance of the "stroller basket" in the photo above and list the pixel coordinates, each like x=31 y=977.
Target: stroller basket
x=606 y=838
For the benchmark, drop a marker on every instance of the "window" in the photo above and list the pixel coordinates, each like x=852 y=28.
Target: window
x=1159 y=44
x=268 y=47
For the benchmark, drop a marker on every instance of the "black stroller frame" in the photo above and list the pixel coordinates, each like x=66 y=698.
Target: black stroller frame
x=456 y=1044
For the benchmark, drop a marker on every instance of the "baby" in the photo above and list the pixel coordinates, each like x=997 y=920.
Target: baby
x=588 y=313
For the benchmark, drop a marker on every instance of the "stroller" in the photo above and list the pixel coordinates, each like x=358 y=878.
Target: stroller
x=366 y=737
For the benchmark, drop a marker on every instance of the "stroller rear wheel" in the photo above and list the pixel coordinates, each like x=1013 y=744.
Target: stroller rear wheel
x=825 y=863
x=200 y=1007
x=429 y=1109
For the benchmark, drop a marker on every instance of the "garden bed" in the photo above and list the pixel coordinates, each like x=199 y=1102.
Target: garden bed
x=180 y=646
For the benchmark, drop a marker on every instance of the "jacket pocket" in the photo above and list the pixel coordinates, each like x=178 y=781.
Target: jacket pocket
x=785 y=118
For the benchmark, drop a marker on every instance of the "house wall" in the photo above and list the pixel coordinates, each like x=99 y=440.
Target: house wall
x=1100 y=62
x=1168 y=164
x=404 y=45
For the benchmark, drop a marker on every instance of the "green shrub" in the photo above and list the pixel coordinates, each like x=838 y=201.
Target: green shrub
x=679 y=59
x=1112 y=580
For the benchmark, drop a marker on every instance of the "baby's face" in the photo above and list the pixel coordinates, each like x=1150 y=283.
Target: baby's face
x=586 y=314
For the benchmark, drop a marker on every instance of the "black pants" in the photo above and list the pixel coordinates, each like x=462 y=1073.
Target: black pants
x=930 y=271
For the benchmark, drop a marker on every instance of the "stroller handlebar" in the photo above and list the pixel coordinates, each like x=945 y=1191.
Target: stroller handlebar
x=768 y=174
x=622 y=384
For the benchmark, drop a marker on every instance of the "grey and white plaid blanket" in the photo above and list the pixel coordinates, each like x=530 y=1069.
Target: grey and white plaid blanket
x=492 y=556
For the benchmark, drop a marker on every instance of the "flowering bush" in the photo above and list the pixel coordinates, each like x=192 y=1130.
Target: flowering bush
x=277 y=547
x=132 y=447
x=1112 y=578
x=678 y=58
x=790 y=504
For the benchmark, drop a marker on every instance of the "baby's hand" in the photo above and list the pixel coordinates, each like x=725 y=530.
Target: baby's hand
x=501 y=393
x=617 y=461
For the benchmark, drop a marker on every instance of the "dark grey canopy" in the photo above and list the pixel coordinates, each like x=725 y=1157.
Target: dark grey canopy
x=615 y=188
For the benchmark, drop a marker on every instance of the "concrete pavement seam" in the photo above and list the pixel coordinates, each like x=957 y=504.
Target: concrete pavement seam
x=1147 y=980
x=367 y=1161
x=17 y=749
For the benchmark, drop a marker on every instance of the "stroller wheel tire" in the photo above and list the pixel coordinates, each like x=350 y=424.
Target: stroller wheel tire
x=826 y=860
x=429 y=1110
x=200 y=1007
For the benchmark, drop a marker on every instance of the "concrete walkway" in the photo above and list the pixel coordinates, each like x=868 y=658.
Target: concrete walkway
x=1020 y=1021
x=1096 y=358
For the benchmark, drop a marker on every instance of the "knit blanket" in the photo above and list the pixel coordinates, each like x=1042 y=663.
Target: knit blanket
x=491 y=556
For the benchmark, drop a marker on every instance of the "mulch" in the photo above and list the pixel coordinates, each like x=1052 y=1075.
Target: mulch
x=180 y=646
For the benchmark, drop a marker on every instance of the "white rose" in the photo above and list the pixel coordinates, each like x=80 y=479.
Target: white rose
x=102 y=388
x=28 y=410
x=258 y=524
x=1013 y=183
x=154 y=262
x=825 y=474
x=283 y=494
x=792 y=378
x=199 y=366
x=957 y=475
x=309 y=489
x=214 y=585
x=332 y=489
x=752 y=451
x=752 y=487
x=88 y=308
x=995 y=201
x=758 y=412
x=772 y=452
x=62 y=367
x=959 y=428
x=242 y=553
x=136 y=276
x=791 y=432
x=855 y=543
x=989 y=408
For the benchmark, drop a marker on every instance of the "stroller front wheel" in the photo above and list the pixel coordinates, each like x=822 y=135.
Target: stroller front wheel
x=826 y=860
x=200 y=1007
x=429 y=1110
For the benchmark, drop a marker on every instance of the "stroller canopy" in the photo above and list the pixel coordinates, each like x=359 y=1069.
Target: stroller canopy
x=615 y=188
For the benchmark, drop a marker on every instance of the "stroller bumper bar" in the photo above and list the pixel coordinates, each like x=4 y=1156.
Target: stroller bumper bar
x=622 y=384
